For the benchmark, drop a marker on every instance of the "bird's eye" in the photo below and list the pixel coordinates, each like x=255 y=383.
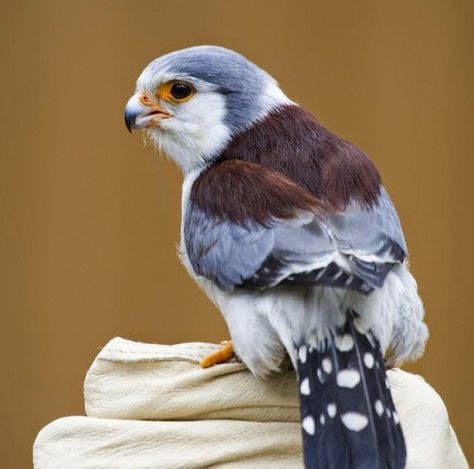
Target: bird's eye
x=175 y=91
x=181 y=91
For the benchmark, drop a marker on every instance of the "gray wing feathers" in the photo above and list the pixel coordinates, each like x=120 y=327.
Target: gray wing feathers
x=231 y=254
x=225 y=252
x=309 y=241
x=370 y=233
x=371 y=238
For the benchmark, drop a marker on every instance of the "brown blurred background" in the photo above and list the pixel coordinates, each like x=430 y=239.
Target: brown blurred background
x=90 y=220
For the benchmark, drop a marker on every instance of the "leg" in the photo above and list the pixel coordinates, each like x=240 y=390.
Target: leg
x=219 y=356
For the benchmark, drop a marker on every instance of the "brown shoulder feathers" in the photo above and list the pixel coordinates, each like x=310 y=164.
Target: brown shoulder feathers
x=242 y=191
x=292 y=142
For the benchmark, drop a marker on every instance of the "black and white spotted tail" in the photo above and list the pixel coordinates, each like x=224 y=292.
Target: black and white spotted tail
x=347 y=411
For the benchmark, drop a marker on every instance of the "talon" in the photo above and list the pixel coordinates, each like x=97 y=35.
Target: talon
x=219 y=356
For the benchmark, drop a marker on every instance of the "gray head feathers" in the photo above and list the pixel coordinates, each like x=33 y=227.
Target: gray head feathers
x=248 y=90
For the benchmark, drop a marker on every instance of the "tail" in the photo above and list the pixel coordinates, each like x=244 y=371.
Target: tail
x=347 y=411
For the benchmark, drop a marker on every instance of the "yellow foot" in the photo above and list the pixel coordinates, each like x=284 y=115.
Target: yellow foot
x=219 y=356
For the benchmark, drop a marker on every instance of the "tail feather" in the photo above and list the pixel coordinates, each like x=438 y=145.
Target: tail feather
x=348 y=416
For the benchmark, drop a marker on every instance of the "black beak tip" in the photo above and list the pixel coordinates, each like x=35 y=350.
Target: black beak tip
x=129 y=119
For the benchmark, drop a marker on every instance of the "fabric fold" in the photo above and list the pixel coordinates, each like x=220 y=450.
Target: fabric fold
x=93 y=443
x=152 y=406
x=130 y=380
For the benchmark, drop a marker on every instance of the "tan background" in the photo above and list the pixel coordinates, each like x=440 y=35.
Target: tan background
x=90 y=219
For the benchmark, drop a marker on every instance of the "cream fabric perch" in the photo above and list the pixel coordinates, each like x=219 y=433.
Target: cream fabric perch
x=218 y=417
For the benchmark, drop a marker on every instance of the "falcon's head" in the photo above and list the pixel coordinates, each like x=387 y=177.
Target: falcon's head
x=193 y=101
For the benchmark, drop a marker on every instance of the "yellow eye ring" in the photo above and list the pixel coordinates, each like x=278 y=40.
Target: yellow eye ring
x=176 y=91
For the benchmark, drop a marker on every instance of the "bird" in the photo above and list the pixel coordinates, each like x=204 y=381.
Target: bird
x=290 y=232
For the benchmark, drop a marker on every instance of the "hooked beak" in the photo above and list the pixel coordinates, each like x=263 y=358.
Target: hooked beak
x=138 y=115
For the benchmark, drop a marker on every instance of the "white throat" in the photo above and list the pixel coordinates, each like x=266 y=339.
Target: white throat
x=197 y=134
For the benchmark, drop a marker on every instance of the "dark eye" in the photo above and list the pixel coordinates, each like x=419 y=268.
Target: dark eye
x=181 y=91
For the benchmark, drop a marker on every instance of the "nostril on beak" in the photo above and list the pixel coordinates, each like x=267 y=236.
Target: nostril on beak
x=129 y=118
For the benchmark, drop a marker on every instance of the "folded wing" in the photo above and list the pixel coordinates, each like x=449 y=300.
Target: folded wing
x=265 y=230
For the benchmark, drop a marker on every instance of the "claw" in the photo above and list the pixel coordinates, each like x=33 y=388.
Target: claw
x=219 y=356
